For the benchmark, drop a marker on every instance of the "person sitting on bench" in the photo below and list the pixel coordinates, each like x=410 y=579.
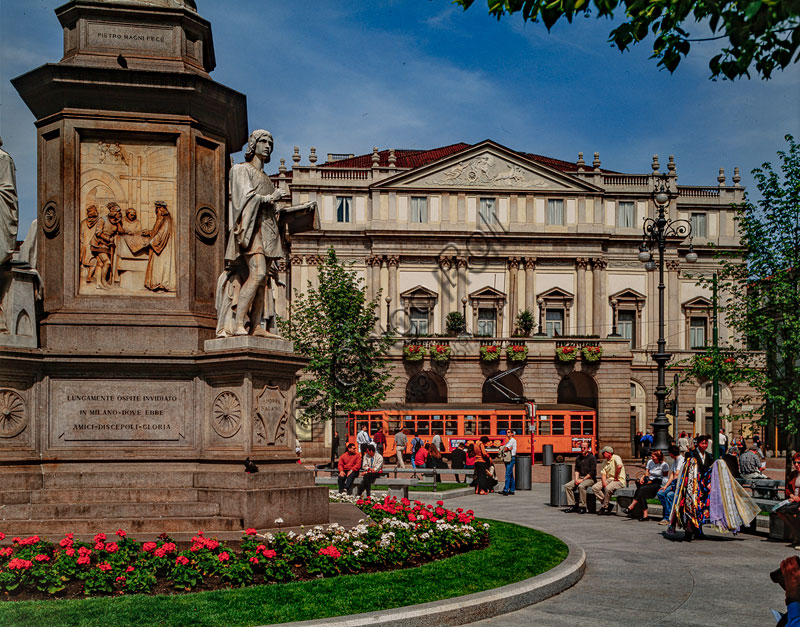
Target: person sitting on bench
x=371 y=467
x=349 y=467
x=584 y=477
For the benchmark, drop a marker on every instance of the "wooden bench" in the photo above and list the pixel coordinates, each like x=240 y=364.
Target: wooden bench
x=397 y=487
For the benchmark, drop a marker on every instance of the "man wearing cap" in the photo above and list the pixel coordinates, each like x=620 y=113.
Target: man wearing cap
x=584 y=478
x=612 y=478
x=510 y=459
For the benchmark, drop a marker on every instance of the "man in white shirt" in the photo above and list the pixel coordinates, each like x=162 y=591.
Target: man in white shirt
x=371 y=468
x=667 y=493
x=723 y=442
x=363 y=439
x=510 y=458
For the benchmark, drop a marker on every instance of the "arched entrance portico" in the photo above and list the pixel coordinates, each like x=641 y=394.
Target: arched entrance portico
x=578 y=388
x=426 y=387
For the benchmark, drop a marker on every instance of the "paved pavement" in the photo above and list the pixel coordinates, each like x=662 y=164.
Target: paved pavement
x=636 y=576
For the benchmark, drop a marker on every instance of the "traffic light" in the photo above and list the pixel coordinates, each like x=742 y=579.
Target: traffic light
x=691 y=415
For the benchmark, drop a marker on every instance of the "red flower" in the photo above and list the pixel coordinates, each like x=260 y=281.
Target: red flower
x=182 y=560
x=149 y=547
x=160 y=552
x=224 y=557
x=121 y=579
x=100 y=537
x=84 y=559
x=5 y=552
x=730 y=360
x=268 y=553
x=99 y=546
x=129 y=569
x=250 y=531
x=112 y=547
x=491 y=349
x=84 y=552
x=105 y=567
x=65 y=542
x=42 y=558
x=70 y=551
x=2 y=536
x=254 y=560
x=121 y=533
x=19 y=564
x=330 y=551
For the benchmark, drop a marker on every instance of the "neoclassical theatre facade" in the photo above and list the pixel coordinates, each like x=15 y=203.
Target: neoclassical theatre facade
x=488 y=232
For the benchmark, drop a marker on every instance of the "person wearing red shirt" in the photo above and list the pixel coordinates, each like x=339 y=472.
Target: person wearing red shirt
x=349 y=467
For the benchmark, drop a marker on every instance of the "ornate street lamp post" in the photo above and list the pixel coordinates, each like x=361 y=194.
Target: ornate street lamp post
x=656 y=232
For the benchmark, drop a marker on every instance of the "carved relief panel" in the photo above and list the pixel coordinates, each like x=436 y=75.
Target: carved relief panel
x=271 y=426
x=127 y=218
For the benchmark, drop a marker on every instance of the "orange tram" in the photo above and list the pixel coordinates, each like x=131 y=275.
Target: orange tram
x=534 y=424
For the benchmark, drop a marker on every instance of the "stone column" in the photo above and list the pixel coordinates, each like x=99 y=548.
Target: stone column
x=513 y=269
x=296 y=262
x=445 y=290
x=581 y=299
x=600 y=306
x=461 y=283
x=392 y=263
x=673 y=304
x=530 y=296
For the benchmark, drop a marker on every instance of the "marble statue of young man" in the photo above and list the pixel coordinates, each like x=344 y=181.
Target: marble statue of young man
x=254 y=239
x=9 y=220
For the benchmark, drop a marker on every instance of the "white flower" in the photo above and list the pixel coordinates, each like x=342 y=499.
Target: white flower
x=279 y=521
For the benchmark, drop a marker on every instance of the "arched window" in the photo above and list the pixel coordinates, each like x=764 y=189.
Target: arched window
x=426 y=387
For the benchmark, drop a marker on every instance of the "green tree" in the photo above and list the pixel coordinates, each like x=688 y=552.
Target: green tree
x=762 y=281
x=332 y=325
x=763 y=34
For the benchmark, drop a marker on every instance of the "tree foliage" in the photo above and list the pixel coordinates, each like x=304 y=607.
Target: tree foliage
x=762 y=281
x=763 y=34
x=332 y=325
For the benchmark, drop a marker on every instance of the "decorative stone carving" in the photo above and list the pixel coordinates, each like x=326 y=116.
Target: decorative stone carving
x=9 y=207
x=51 y=219
x=488 y=170
x=673 y=265
x=600 y=264
x=461 y=263
x=206 y=225
x=445 y=263
x=226 y=414
x=271 y=416
x=13 y=417
x=513 y=263
x=128 y=196
x=582 y=263
x=530 y=263
x=393 y=262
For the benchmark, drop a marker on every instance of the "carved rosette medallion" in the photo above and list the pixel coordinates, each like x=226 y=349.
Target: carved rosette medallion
x=206 y=224
x=272 y=414
x=50 y=220
x=226 y=414
x=13 y=418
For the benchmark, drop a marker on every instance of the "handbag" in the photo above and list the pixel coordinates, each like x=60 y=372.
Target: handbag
x=506 y=456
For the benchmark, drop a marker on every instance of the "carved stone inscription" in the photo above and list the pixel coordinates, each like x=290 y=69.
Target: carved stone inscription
x=127 y=238
x=131 y=413
x=125 y=37
x=272 y=414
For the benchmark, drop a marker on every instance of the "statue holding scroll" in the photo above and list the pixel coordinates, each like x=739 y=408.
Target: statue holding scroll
x=255 y=242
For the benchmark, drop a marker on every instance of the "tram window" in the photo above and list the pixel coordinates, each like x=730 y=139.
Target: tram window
x=484 y=425
x=575 y=425
x=451 y=426
x=517 y=425
x=502 y=424
x=469 y=425
x=544 y=425
x=437 y=425
x=558 y=425
x=424 y=425
x=393 y=424
x=408 y=423
x=588 y=425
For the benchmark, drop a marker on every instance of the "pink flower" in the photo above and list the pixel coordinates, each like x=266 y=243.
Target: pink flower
x=254 y=560
x=268 y=553
x=330 y=551
x=42 y=558
x=250 y=531
x=99 y=546
x=129 y=569
x=6 y=551
x=84 y=559
x=211 y=544
x=112 y=547
x=100 y=537
x=169 y=547
x=121 y=533
x=2 y=536
x=224 y=557
x=28 y=541
x=181 y=559
x=84 y=551
x=160 y=552
x=70 y=551
x=105 y=567
x=19 y=564
x=65 y=542
x=121 y=579
x=149 y=547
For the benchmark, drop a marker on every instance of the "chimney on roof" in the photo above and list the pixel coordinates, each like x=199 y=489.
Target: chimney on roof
x=596 y=162
x=581 y=163
x=376 y=159
x=296 y=155
x=392 y=159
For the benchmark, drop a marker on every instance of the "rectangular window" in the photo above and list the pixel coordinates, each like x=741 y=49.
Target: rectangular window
x=555 y=212
x=484 y=425
x=419 y=209
x=486 y=211
x=697 y=333
x=698 y=221
x=487 y=322
x=558 y=425
x=418 y=321
x=554 y=322
x=470 y=425
x=626 y=326
x=343 y=204
x=625 y=215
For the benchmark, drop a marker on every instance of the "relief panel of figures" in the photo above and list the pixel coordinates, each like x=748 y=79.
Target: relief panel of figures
x=128 y=198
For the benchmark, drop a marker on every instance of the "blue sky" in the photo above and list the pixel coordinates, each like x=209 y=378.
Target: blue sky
x=347 y=76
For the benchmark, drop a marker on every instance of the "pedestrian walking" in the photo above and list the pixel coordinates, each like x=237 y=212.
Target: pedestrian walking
x=510 y=459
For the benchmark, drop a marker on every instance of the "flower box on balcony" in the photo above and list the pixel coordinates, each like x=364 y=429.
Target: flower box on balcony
x=490 y=352
x=517 y=352
x=592 y=353
x=566 y=353
x=414 y=352
x=441 y=353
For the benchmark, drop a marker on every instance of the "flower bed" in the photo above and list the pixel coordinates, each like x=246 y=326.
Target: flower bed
x=414 y=352
x=517 y=352
x=566 y=353
x=404 y=534
x=441 y=353
x=592 y=353
x=490 y=352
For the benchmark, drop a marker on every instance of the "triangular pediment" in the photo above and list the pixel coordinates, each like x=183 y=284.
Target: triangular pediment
x=627 y=294
x=487 y=293
x=698 y=302
x=487 y=166
x=555 y=293
x=420 y=292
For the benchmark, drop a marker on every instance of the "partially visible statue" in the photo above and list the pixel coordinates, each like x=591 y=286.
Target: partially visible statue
x=161 y=273
x=90 y=226
x=9 y=220
x=254 y=241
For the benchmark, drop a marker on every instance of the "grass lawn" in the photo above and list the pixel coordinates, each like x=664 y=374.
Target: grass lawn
x=534 y=552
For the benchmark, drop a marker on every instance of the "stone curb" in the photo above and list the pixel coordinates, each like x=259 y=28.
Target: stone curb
x=472 y=607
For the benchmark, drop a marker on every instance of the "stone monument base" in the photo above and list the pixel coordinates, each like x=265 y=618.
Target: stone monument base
x=152 y=442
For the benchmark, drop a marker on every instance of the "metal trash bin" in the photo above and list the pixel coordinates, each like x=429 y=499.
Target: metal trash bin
x=559 y=475
x=523 y=471
x=547 y=455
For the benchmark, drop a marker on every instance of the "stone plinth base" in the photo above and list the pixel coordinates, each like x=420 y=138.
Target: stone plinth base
x=249 y=342
x=18 y=284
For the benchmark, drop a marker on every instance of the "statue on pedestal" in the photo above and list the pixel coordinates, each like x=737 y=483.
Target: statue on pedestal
x=9 y=220
x=255 y=241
